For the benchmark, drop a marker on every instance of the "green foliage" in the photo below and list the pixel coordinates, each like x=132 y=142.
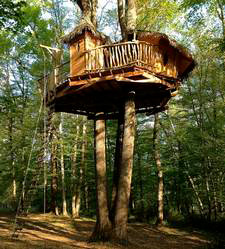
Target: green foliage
x=157 y=15
x=11 y=15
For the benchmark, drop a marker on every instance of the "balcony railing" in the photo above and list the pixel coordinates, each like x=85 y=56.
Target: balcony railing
x=121 y=55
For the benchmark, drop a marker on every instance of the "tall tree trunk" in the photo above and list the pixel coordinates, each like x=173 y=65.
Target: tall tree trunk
x=10 y=134
x=159 y=170
x=124 y=184
x=83 y=163
x=89 y=10
x=75 y=177
x=102 y=231
x=14 y=180
x=94 y=12
x=131 y=16
x=199 y=201
x=122 y=17
x=117 y=161
x=140 y=183
x=64 y=204
x=208 y=195
x=127 y=17
x=54 y=177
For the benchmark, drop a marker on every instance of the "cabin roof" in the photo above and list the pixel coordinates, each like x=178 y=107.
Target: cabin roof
x=157 y=38
x=84 y=25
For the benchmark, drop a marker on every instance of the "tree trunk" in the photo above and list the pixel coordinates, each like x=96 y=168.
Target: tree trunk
x=75 y=178
x=122 y=17
x=159 y=170
x=94 y=12
x=102 y=231
x=199 y=201
x=54 y=177
x=64 y=205
x=127 y=15
x=117 y=161
x=10 y=135
x=83 y=164
x=140 y=183
x=124 y=184
x=89 y=10
x=131 y=16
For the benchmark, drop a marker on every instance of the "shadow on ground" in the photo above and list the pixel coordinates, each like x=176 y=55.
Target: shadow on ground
x=51 y=232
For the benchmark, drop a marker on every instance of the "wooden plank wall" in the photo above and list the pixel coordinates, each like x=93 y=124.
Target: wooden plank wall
x=77 y=59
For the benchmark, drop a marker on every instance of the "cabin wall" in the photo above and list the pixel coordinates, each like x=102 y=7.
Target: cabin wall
x=97 y=59
x=164 y=57
x=78 y=60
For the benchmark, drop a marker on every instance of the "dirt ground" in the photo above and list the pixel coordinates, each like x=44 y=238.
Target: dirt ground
x=51 y=232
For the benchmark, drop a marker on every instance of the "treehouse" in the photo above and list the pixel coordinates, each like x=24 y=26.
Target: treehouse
x=102 y=73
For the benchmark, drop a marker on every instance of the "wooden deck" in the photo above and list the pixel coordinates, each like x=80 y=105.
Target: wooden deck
x=111 y=71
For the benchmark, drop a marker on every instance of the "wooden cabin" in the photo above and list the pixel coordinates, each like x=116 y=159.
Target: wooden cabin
x=82 y=39
x=172 y=59
x=102 y=73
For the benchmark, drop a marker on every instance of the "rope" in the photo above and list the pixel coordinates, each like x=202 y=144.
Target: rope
x=27 y=170
x=16 y=228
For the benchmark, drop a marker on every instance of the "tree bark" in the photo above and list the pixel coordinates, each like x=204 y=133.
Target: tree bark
x=89 y=10
x=10 y=135
x=199 y=201
x=131 y=16
x=54 y=177
x=160 y=217
x=118 y=156
x=124 y=184
x=122 y=17
x=127 y=15
x=83 y=163
x=140 y=183
x=75 y=178
x=94 y=12
x=102 y=231
x=64 y=204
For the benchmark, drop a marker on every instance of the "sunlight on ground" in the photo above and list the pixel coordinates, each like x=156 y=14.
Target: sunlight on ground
x=58 y=232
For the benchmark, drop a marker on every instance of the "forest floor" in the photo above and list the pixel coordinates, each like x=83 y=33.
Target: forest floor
x=51 y=232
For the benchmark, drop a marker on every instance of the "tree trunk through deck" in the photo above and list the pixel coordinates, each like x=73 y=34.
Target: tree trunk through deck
x=124 y=184
x=102 y=231
x=89 y=10
x=131 y=15
x=127 y=15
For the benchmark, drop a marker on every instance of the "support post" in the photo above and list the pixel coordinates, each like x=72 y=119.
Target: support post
x=102 y=231
x=124 y=184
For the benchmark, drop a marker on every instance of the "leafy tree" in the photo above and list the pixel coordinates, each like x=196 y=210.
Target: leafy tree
x=11 y=15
